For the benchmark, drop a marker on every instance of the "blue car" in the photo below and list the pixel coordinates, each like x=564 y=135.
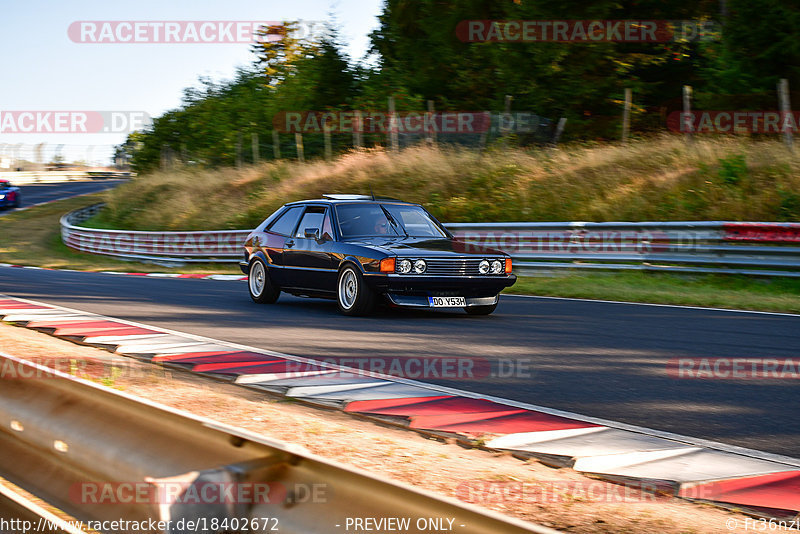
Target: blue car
x=10 y=196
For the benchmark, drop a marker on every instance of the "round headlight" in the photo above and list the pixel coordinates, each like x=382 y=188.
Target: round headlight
x=404 y=266
x=420 y=266
x=483 y=267
x=497 y=267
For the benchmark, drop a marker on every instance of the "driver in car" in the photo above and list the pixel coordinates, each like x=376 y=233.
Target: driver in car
x=381 y=226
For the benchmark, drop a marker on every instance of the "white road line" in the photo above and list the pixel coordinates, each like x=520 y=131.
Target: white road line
x=733 y=310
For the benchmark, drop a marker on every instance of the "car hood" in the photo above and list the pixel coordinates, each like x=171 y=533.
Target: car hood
x=425 y=246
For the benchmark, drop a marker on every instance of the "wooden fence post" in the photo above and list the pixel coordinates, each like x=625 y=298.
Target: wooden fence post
x=254 y=141
x=358 y=128
x=562 y=122
x=298 y=143
x=505 y=119
x=326 y=134
x=785 y=107
x=686 y=117
x=393 y=137
x=239 y=150
x=626 y=116
x=430 y=136
x=276 y=144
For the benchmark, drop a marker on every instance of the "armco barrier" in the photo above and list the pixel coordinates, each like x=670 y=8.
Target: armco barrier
x=159 y=247
x=699 y=246
x=106 y=457
x=768 y=249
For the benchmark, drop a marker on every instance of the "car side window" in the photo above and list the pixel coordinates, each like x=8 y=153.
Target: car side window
x=285 y=224
x=312 y=218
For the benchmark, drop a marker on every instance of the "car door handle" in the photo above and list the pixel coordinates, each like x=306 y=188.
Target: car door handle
x=290 y=243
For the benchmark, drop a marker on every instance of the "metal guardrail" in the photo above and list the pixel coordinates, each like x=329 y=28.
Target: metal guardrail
x=102 y=455
x=156 y=247
x=771 y=249
x=766 y=249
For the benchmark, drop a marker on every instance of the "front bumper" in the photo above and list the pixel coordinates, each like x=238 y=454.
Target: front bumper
x=245 y=267
x=416 y=301
x=432 y=286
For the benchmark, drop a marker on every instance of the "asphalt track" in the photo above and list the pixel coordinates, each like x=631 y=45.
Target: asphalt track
x=601 y=359
x=38 y=193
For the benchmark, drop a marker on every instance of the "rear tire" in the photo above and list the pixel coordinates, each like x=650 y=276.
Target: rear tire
x=480 y=310
x=260 y=286
x=353 y=296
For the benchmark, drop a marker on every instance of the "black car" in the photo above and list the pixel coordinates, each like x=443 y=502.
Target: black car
x=9 y=195
x=361 y=249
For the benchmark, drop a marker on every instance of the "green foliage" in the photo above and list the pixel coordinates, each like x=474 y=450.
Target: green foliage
x=758 y=47
x=416 y=55
x=789 y=208
x=732 y=169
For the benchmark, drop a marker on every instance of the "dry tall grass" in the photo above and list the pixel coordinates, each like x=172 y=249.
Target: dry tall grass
x=655 y=179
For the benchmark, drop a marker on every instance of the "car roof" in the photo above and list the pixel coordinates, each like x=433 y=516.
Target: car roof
x=351 y=199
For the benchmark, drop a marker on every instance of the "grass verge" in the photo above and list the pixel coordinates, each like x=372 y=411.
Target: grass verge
x=708 y=290
x=33 y=237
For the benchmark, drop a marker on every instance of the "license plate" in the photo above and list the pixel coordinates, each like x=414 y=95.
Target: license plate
x=447 y=302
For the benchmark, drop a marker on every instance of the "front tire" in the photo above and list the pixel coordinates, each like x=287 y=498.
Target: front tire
x=480 y=310
x=353 y=296
x=260 y=286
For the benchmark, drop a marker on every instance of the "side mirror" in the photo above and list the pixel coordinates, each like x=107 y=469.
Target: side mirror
x=311 y=233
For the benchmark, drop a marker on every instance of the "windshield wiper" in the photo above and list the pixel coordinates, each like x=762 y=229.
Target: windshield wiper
x=391 y=220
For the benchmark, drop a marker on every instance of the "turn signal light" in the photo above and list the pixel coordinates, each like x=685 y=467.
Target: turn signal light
x=508 y=265
x=387 y=265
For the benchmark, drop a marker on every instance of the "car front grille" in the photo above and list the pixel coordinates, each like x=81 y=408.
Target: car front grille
x=451 y=267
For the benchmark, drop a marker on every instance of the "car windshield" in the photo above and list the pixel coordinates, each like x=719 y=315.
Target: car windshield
x=391 y=220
